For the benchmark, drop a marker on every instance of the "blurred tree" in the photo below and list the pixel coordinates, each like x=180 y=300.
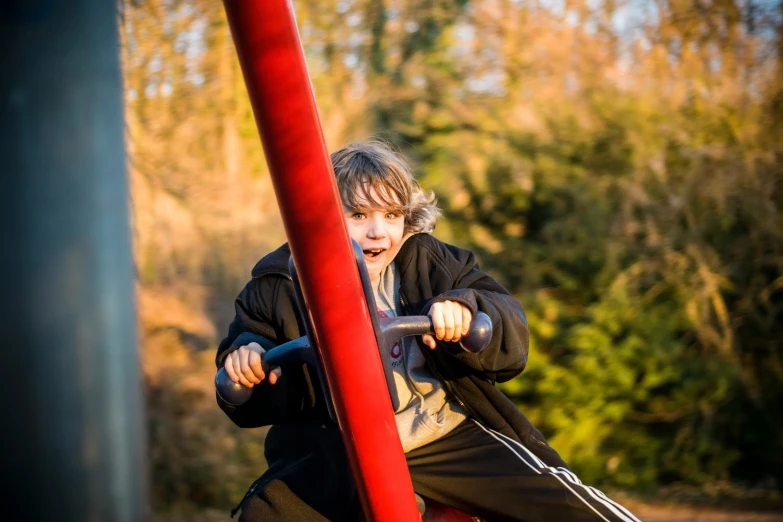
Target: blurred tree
x=603 y=202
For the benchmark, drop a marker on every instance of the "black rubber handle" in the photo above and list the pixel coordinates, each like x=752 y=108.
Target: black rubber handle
x=477 y=338
x=479 y=335
x=235 y=394
x=231 y=392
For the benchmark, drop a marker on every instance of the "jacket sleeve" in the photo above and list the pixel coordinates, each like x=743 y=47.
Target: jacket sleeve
x=506 y=355
x=266 y=312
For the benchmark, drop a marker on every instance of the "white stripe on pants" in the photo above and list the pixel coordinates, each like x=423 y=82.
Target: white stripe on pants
x=487 y=474
x=571 y=482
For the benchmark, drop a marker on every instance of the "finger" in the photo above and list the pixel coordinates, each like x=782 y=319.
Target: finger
x=254 y=361
x=237 y=362
x=429 y=341
x=274 y=375
x=457 y=315
x=467 y=318
x=448 y=319
x=247 y=371
x=228 y=364
x=438 y=323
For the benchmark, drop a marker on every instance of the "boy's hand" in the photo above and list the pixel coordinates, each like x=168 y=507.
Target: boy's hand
x=246 y=366
x=450 y=320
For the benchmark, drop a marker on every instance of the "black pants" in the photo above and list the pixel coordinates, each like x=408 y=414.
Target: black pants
x=487 y=474
x=474 y=469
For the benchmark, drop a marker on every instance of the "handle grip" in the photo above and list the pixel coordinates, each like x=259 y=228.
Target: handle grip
x=229 y=391
x=235 y=394
x=479 y=334
x=395 y=328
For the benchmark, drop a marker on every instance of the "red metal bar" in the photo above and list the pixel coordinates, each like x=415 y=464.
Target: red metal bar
x=275 y=72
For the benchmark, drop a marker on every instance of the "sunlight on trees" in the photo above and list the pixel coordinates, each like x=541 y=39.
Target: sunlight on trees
x=616 y=164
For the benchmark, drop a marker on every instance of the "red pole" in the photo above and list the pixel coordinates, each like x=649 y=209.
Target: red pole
x=275 y=72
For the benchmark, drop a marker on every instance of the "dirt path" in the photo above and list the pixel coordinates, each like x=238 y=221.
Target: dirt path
x=680 y=513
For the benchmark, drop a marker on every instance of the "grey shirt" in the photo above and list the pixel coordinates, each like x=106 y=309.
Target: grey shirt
x=423 y=410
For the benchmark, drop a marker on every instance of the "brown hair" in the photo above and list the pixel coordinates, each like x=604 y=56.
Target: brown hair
x=373 y=164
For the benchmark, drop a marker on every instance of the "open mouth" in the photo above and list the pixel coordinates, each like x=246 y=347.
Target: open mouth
x=373 y=252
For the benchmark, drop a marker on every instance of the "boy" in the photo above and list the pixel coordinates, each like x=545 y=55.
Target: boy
x=466 y=444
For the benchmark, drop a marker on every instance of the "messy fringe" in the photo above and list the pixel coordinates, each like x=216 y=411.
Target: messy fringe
x=359 y=167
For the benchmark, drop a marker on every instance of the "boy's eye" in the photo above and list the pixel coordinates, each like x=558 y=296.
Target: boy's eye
x=392 y=215
x=357 y=215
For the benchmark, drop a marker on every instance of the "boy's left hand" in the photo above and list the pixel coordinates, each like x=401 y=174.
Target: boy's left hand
x=450 y=320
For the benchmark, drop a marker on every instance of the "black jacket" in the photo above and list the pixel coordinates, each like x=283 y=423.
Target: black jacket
x=429 y=271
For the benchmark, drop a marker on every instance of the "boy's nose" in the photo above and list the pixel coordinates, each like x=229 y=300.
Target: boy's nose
x=375 y=229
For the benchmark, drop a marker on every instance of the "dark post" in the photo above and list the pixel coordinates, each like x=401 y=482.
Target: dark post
x=71 y=424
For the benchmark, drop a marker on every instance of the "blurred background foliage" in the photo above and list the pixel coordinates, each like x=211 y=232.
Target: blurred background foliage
x=617 y=164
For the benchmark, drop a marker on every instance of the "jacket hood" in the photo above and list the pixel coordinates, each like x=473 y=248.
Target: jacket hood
x=275 y=262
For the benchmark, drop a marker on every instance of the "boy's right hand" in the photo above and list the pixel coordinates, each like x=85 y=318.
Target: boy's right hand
x=246 y=366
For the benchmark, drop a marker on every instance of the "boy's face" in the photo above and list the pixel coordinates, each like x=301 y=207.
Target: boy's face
x=379 y=232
